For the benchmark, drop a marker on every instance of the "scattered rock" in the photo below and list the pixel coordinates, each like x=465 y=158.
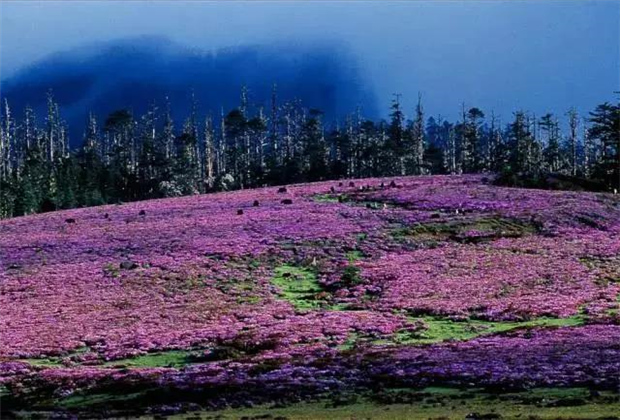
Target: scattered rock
x=332 y=189
x=287 y=201
x=128 y=265
x=70 y=220
x=282 y=190
x=106 y=216
x=351 y=184
x=392 y=184
x=142 y=213
x=239 y=212
x=255 y=203
x=340 y=184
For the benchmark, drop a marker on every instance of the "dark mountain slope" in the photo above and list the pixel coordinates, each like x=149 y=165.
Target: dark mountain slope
x=134 y=72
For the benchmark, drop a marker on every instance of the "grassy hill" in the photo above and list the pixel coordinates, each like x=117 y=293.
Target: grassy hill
x=427 y=296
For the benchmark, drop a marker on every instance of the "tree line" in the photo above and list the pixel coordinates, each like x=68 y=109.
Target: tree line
x=128 y=157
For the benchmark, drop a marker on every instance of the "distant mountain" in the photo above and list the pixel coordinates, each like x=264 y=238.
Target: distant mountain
x=134 y=72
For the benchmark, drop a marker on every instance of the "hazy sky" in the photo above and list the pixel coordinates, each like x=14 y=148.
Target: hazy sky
x=501 y=55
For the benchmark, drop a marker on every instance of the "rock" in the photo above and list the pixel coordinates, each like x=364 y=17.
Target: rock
x=255 y=203
x=128 y=265
x=392 y=184
x=239 y=212
x=70 y=220
x=287 y=201
x=351 y=184
x=282 y=190
x=340 y=184
x=142 y=213
x=106 y=216
x=332 y=189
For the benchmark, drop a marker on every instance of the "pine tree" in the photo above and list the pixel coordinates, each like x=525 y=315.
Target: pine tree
x=605 y=128
x=417 y=141
x=394 y=160
x=549 y=127
x=573 y=124
x=471 y=139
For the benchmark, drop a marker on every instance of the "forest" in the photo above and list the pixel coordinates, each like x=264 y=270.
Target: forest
x=126 y=157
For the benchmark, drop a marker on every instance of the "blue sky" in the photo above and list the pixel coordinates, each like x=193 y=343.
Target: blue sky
x=497 y=55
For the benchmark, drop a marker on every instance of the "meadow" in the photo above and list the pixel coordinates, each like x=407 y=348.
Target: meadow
x=430 y=296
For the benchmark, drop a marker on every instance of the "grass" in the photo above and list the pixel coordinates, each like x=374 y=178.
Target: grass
x=466 y=230
x=81 y=401
x=444 y=403
x=354 y=255
x=299 y=286
x=54 y=361
x=442 y=329
x=396 y=403
x=171 y=358
x=326 y=198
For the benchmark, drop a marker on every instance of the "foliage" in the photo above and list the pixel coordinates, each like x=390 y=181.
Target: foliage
x=141 y=157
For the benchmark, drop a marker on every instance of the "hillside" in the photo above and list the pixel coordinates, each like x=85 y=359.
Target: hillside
x=395 y=290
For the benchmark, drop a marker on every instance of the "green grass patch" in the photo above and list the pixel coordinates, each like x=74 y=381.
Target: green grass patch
x=326 y=198
x=467 y=230
x=354 y=255
x=54 y=361
x=171 y=358
x=442 y=329
x=43 y=362
x=299 y=286
x=439 y=330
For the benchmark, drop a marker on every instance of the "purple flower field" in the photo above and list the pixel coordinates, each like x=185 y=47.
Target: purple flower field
x=399 y=282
